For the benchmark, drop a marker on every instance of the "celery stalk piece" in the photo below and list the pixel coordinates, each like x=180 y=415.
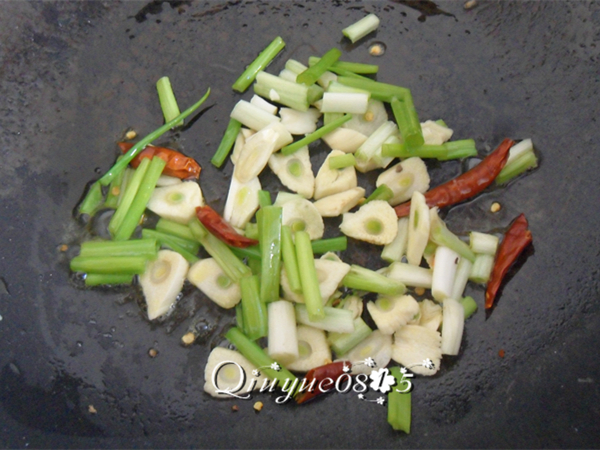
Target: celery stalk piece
x=92 y=201
x=269 y=226
x=463 y=271
x=127 y=176
x=341 y=161
x=283 y=339
x=482 y=268
x=383 y=192
x=229 y=137
x=254 y=311
x=252 y=116
x=261 y=61
x=469 y=305
x=263 y=104
x=348 y=74
x=338 y=88
x=374 y=142
x=334 y=319
x=252 y=351
x=185 y=248
x=424 y=151
x=319 y=133
x=399 y=403
x=251 y=230
x=518 y=150
x=342 y=343
x=248 y=252
x=349 y=66
x=368 y=280
x=295 y=66
x=361 y=28
x=285 y=92
x=410 y=275
x=444 y=273
x=312 y=74
x=239 y=317
x=352 y=103
x=264 y=198
x=453 y=323
x=138 y=206
x=308 y=276
x=379 y=91
x=483 y=243
x=129 y=195
x=255 y=266
x=139 y=146
x=98 y=279
x=137 y=247
x=290 y=261
x=459 y=149
x=231 y=265
x=175 y=229
x=395 y=250
x=336 y=244
x=109 y=264
x=441 y=235
x=114 y=191
x=408 y=120
x=167 y=100
x=517 y=167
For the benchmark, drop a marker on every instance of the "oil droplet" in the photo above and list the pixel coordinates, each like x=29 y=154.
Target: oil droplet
x=377 y=49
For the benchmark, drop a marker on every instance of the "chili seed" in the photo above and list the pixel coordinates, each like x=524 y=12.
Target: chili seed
x=130 y=134
x=258 y=406
x=495 y=207
x=188 y=338
x=470 y=4
x=235 y=408
x=152 y=353
x=419 y=291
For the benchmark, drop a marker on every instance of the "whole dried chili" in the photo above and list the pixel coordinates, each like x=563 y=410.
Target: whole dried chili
x=178 y=165
x=466 y=185
x=516 y=239
x=324 y=378
x=221 y=229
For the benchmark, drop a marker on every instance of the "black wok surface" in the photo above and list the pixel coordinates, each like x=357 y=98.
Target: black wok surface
x=75 y=75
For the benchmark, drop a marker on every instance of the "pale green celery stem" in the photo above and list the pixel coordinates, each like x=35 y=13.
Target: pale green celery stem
x=288 y=93
x=290 y=260
x=463 y=271
x=441 y=235
x=331 y=117
x=469 y=306
x=132 y=187
x=334 y=319
x=374 y=142
x=269 y=220
x=308 y=276
x=360 y=29
x=252 y=116
x=368 y=280
x=482 y=268
x=336 y=87
x=395 y=250
x=399 y=403
x=342 y=343
x=167 y=100
x=523 y=163
x=341 y=161
x=127 y=175
x=259 y=63
x=175 y=228
x=483 y=243
x=350 y=66
x=444 y=273
x=410 y=275
x=518 y=150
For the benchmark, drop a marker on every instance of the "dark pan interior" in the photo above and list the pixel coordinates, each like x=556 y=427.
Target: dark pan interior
x=75 y=75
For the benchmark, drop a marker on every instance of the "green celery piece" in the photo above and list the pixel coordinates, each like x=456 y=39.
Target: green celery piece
x=368 y=280
x=98 y=279
x=524 y=162
x=168 y=102
x=399 y=404
x=308 y=276
x=139 y=146
x=463 y=148
x=342 y=343
x=93 y=200
x=109 y=264
x=408 y=120
x=383 y=192
x=469 y=305
x=319 y=133
x=175 y=229
x=441 y=235
x=114 y=189
x=336 y=244
x=137 y=247
x=248 y=252
x=379 y=91
x=261 y=61
x=312 y=74
x=229 y=137
x=187 y=249
x=128 y=196
x=264 y=198
x=269 y=219
x=342 y=161
x=254 y=311
x=349 y=66
x=290 y=261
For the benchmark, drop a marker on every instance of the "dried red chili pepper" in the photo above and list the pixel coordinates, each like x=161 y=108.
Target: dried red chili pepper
x=331 y=371
x=516 y=239
x=221 y=229
x=178 y=165
x=466 y=185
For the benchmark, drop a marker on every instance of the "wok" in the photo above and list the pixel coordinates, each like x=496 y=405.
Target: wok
x=76 y=75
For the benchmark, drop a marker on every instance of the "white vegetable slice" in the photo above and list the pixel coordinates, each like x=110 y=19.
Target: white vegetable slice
x=331 y=181
x=374 y=142
x=240 y=140
x=313 y=349
x=391 y=313
x=283 y=340
x=177 y=202
x=377 y=346
x=263 y=104
x=300 y=214
x=444 y=273
x=345 y=102
x=410 y=275
x=340 y=203
x=453 y=323
x=252 y=116
x=229 y=375
x=434 y=133
x=418 y=229
x=431 y=315
x=242 y=202
x=208 y=276
x=294 y=171
x=372 y=119
x=405 y=178
x=162 y=282
x=258 y=148
x=329 y=273
x=413 y=345
x=166 y=180
x=299 y=122
x=344 y=139
x=375 y=222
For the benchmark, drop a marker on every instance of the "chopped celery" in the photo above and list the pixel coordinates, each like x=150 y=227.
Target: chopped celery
x=261 y=61
x=399 y=403
x=308 y=276
x=229 y=137
x=269 y=226
x=254 y=311
x=109 y=264
x=383 y=192
x=97 y=279
x=368 y=280
x=361 y=28
x=349 y=66
x=290 y=261
x=137 y=247
x=407 y=120
x=93 y=200
x=312 y=74
x=342 y=343
x=469 y=305
x=167 y=100
x=342 y=161
x=319 y=133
